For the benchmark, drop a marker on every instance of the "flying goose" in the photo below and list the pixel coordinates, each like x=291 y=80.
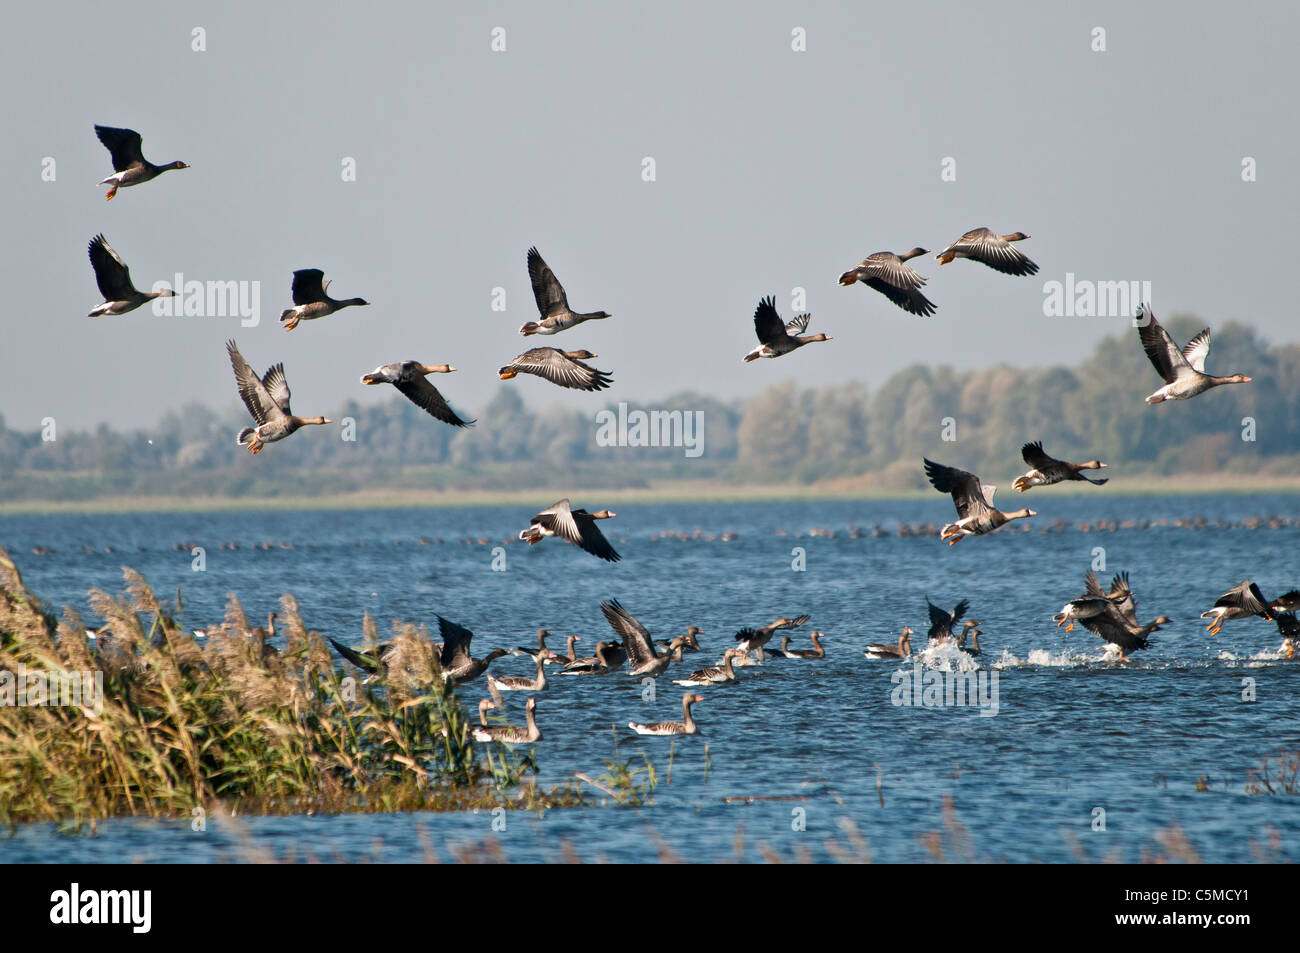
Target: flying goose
x=941 y=622
x=409 y=378
x=712 y=674
x=564 y=368
x=310 y=300
x=642 y=657
x=114 y=280
x=1099 y=602
x=1112 y=627
x=750 y=640
x=512 y=734
x=455 y=659
x=902 y=650
x=1183 y=371
x=131 y=166
x=267 y=399
x=575 y=526
x=776 y=338
x=686 y=726
x=894 y=278
x=551 y=301
x=1286 y=602
x=1048 y=470
x=996 y=251
x=368 y=660
x=976 y=514
x=1240 y=602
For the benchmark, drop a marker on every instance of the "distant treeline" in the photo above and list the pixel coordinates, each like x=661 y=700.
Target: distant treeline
x=787 y=434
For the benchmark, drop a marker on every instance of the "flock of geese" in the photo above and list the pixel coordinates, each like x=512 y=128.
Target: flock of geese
x=1109 y=614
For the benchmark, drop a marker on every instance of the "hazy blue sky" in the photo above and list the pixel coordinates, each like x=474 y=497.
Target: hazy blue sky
x=775 y=169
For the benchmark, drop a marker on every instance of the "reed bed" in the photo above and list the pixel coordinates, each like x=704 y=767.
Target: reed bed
x=233 y=723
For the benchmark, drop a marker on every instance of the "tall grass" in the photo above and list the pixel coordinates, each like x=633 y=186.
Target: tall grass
x=184 y=725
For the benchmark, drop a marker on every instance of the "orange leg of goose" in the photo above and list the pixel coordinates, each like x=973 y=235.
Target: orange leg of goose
x=1070 y=627
x=111 y=192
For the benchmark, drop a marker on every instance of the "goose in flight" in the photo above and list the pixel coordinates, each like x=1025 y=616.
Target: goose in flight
x=996 y=251
x=941 y=622
x=976 y=514
x=552 y=303
x=1183 y=371
x=1048 y=470
x=642 y=657
x=310 y=300
x=1240 y=602
x=267 y=399
x=409 y=379
x=455 y=659
x=575 y=526
x=1114 y=628
x=114 y=280
x=776 y=338
x=894 y=278
x=565 y=368
x=130 y=165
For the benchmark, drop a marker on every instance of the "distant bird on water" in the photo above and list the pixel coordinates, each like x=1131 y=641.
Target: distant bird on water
x=132 y=168
x=1183 y=371
x=989 y=248
x=564 y=368
x=575 y=526
x=114 y=280
x=552 y=303
x=409 y=378
x=310 y=300
x=976 y=514
x=267 y=399
x=777 y=338
x=1048 y=470
x=894 y=278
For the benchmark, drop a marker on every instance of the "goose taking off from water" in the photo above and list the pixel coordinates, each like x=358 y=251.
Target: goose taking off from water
x=512 y=734
x=751 y=640
x=457 y=664
x=1113 y=627
x=941 y=622
x=976 y=514
x=1098 y=601
x=564 y=368
x=409 y=378
x=575 y=526
x=686 y=726
x=1048 y=470
x=1288 y=626
x=131 y=166
x=1183 y=371
x=996 y=251
x=310 y=300
x=775 y=337
x=642 y=657
x=267 y=399
x=552 y=303
x=902 y=650
x=1240 y=602
x=894 y=278
x=114 y=280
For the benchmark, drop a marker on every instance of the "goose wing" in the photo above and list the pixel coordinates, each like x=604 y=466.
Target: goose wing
x=636 y=640
x=995 y=251
x=1245 y=595
x=308 y=286
x=455 y=645
x=767 y=323
x=892 y=270
x=558 y=368
x=252 y=391
x=593 y=541
x=792 y=623
x=1160 y=347
x=941 y=622
x=123 y=145
x=798 y=324
x=277 y=386
x=1034 y=455
x=111 y=273
x=971 y=497
x=419 y=391
x=1197 y=349
x=547 y=289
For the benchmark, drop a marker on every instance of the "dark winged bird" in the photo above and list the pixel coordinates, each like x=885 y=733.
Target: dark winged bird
x=575 y=526
x=131 y=166
x=941 y=622
x=642 y=656
x=777 y=338
x=894 y=278
x=1240 y=602
x=310 y=300
x=552 y=303
x=267 y=399
x=457 y=663
x=1098 y=601
x=753 y=640
x=564 y=368
x=996 y=251
x=1183 y=370
x=1048 y=470
x=976 y=514
x=114 y=280
x=1115 y=628
x=1288 y=626
x=409 y=379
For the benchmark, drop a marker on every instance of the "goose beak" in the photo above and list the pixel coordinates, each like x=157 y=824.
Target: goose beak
x=371 y=379
x=506 y=375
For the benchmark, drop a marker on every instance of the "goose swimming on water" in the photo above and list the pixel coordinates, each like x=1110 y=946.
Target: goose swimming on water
x=902 y=650
x=642 y=657
x=686 y=726
x=512 y=734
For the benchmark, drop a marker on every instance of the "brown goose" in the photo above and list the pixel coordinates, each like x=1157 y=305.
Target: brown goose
x=114 y=280
x=689 y=641
x=996 y=251
x=267 y=399
x=894 y=278
x=1289 y=628
x=976 y=514
x=642 y=657
x=686 y=726
x=902 y=650
x=575 y=526
x=712 y=674
x=1112 y=627
x=1183 y=371
x=542 y=650
x=564 y=368
x=1098 y=602
x=815 y=652
x=777 y=338
x=753 y=640
x=554 y=658
x=1240 y=602
x=457 y=664
x=132 y=168
x=602 y=663
x=310 y=300
x=518 y=683
x=512 y=734
x=941 y=622
x=552 y=302
x=409 y=379
x=1048 y=470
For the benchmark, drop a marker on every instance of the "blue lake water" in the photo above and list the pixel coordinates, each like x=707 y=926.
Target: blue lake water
x=1073 y=731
